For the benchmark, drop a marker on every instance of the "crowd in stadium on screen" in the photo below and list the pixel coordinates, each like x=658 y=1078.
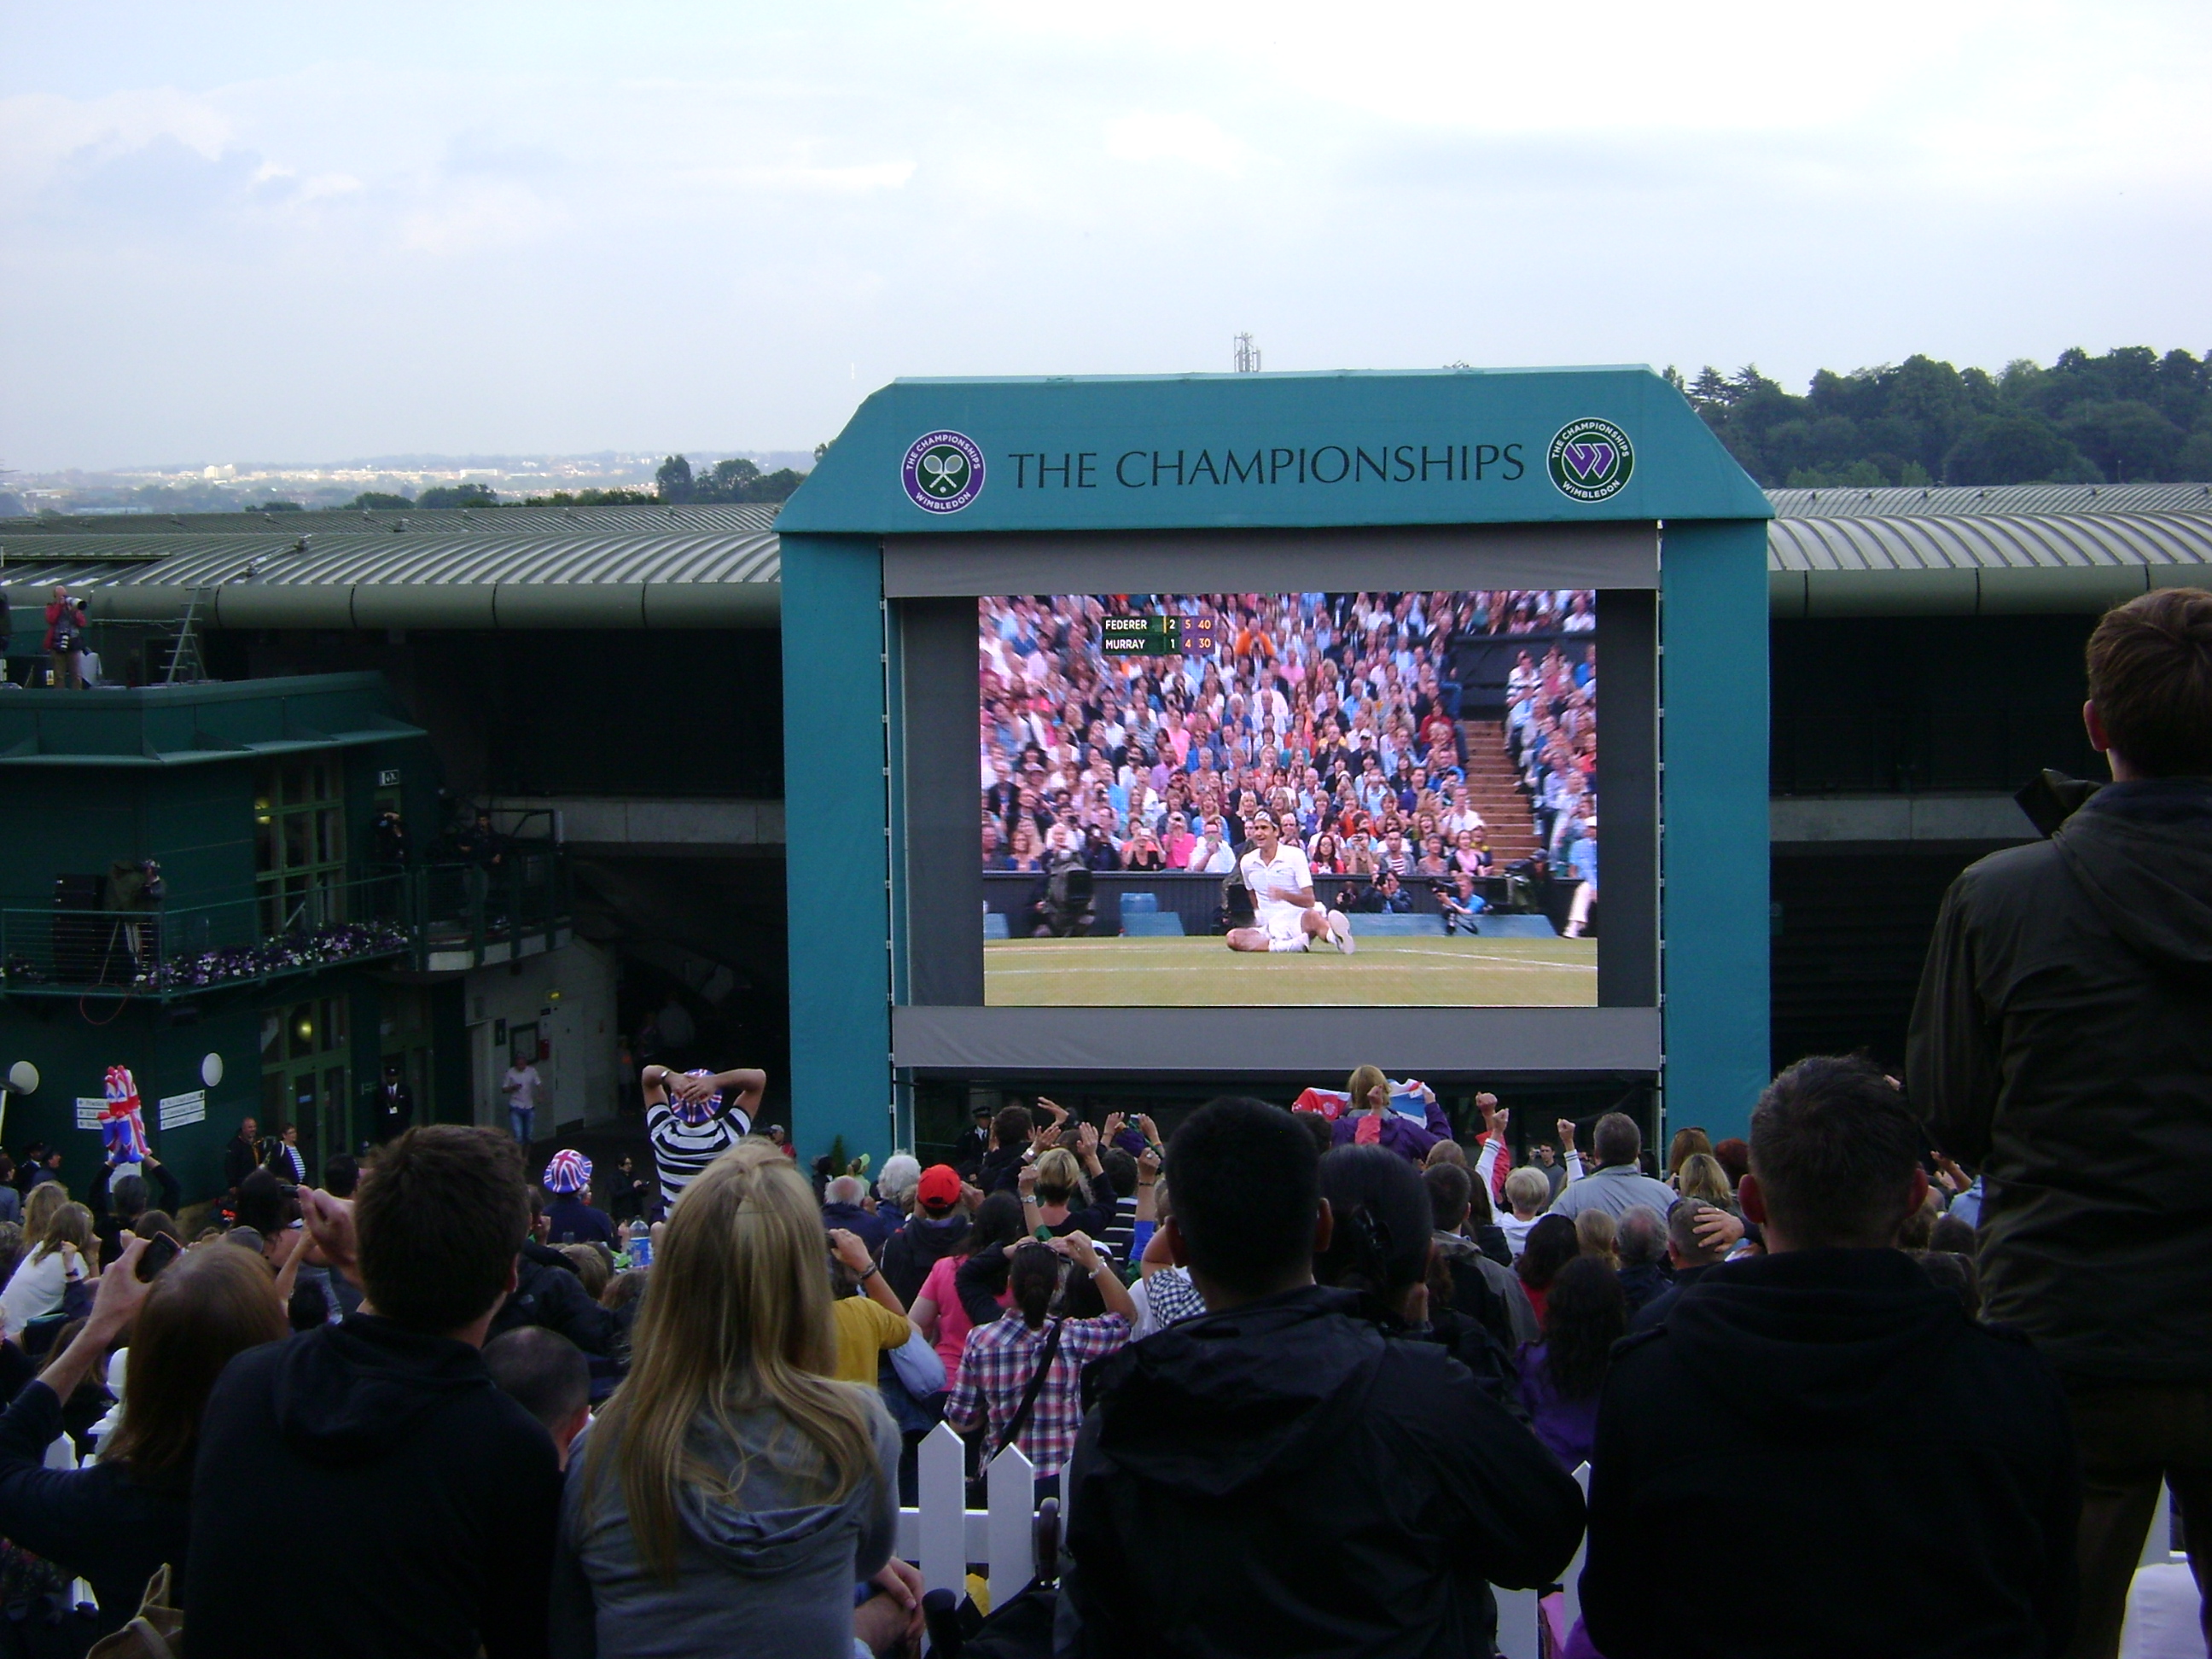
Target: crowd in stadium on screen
x=1339 y=712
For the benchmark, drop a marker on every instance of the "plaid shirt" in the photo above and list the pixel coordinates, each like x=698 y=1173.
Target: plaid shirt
x=995 y=1369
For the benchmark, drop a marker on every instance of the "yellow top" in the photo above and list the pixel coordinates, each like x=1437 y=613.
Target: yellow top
x=865 y=1329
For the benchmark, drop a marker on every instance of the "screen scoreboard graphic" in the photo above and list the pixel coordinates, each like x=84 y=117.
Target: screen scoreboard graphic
x=1156 y=636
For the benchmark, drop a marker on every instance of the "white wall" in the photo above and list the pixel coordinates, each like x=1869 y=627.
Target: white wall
x=579 y=1074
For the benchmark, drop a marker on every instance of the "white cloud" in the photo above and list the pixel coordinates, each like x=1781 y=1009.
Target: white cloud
x=1147 y=136
x=690 y=223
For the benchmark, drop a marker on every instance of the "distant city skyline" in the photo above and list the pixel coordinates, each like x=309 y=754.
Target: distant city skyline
x=255 y=230
x=335 y=482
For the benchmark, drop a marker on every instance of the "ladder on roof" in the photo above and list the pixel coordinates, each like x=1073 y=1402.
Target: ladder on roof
x=187 y=667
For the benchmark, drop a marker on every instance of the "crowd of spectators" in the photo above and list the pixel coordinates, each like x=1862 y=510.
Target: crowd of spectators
x=1898 y=1372
x=1340 y=713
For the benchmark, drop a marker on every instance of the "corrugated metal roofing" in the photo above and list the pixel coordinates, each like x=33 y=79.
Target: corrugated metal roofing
x=533 y=519
x=2037 y=500
x=1989 y=541
x=1848 y=533
x=334 y=557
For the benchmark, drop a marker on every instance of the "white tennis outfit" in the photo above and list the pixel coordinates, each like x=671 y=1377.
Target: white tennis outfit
x=1288 y=872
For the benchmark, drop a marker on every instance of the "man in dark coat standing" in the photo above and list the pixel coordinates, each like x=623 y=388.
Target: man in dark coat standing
x=395 y=1104
x=2062 y=1045
x=1809 y=1385
x=1277 y=1476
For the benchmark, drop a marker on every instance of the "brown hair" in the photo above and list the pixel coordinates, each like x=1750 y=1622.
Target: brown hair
x=591 y=1267
x=206 y=1307
x=1685 y=1144
x=40 y=1205
x=1599 y=1236
x=440 y=1220
x=2150 y=676
x=71 y=1224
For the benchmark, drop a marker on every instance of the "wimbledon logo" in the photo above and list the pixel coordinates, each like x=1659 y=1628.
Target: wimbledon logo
x=944 y=472
x=1591 y=459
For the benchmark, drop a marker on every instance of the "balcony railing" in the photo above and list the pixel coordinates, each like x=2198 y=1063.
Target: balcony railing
x=425 y=917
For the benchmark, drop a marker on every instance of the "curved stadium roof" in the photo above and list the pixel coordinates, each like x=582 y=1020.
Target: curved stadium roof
x=1840 y=551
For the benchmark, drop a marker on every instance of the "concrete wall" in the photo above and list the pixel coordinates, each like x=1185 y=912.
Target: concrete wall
x=579 y=1026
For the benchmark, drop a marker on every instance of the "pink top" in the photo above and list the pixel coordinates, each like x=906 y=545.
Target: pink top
x=952 y=1320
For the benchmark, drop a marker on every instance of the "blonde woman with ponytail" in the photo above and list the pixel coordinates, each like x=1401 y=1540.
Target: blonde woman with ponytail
x=730 y=1495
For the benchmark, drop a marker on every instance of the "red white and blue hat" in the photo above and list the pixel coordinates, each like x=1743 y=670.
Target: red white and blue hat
x=568 y=1171
x=696 y=1113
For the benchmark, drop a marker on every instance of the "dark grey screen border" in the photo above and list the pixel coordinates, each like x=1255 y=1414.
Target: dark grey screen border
x=1310 y=1042
x=944 y=866
x=1628 y=797
x=1454 y=558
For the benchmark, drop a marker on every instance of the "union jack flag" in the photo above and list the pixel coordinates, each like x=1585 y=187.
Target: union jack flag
x=122 y=1125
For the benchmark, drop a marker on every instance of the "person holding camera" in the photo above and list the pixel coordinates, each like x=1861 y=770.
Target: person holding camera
x=118 y=1522
x=1027 y=1359
x=65 y=641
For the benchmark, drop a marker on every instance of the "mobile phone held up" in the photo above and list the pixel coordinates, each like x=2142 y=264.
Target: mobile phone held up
x=161 y=1250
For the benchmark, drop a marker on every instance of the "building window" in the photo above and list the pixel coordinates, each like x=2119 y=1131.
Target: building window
x=306 y=1078
x=299 y=843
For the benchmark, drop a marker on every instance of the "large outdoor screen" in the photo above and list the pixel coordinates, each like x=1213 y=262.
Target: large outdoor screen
x=1236 y=800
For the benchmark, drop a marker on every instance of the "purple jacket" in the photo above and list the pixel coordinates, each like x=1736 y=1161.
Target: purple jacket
x=1568 y=1428
x=1400 y=1134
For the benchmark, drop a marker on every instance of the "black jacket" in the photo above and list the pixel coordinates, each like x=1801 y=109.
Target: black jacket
x=1641 y=1284
x=548 y=1292
x=97 y=1522
x=395 y=1110
x=382 y=1466
x=968 y=1150
x=1655 y=1310
x=1001 y=1170
x=914 y=1249
x=1282 y=1479
x=1909 y=1474
x=240 y=1158
x=163 y=1194
x=2062 y=1044
x=871 y=1227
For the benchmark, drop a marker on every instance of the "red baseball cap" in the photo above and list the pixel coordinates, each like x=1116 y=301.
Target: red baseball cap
x=939 y=1189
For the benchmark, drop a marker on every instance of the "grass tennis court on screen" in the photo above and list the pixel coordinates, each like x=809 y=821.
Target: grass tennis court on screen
x=1201 y=972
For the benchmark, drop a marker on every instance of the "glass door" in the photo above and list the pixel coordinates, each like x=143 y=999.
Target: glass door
x=307 y=1080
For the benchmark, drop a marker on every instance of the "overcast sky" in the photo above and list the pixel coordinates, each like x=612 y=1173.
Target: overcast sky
x=239 y=231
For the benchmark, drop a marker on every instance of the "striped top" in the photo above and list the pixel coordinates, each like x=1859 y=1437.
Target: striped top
x=681 y=1150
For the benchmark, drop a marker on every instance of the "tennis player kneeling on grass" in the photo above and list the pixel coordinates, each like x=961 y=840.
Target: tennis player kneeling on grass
x=1285 y=915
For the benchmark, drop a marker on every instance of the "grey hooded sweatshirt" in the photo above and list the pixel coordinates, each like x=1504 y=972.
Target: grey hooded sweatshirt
x=2062 y=1042
x=769 y=1573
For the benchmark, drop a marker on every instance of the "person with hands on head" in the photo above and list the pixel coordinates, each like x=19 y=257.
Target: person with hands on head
x=691 y=1118
x=118 y=1522
x=1003 y=1356
x=59 y=1249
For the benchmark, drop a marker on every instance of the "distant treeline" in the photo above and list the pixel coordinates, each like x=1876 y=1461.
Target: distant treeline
x=728 y=481
x=2126 y=417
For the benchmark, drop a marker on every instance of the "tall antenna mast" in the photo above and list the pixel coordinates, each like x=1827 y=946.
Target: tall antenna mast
x=1246 y=358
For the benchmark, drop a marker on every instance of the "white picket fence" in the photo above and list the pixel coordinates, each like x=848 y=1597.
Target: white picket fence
x=941 y=1534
